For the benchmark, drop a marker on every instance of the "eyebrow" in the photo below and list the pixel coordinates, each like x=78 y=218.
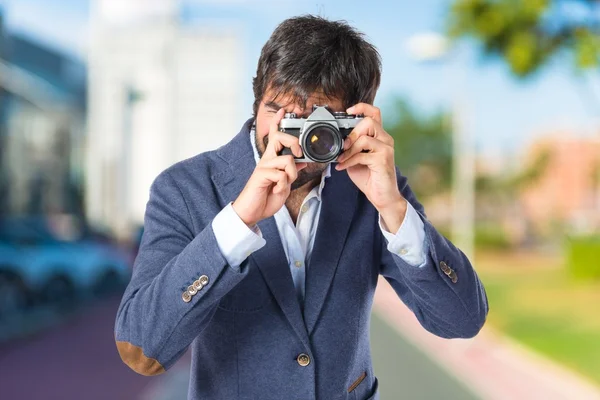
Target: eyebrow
x=276 y=106
x=273 y=105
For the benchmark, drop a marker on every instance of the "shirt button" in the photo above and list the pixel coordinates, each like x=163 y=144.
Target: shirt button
x=403 y=251
x=303 y=360
x=298 y=264
x=304 y=208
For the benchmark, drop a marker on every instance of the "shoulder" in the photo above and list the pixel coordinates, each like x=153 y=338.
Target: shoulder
x=188 y=178
x=197 y=168
x=201 y=168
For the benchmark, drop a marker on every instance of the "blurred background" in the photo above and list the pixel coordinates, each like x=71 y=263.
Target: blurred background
x=495 y=110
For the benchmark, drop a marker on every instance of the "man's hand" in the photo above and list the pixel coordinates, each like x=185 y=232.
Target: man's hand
x=368 y=158
x=269 y=186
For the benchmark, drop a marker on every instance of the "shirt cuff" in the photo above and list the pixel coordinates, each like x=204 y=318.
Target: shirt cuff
x=408 y=242
x=234 y=238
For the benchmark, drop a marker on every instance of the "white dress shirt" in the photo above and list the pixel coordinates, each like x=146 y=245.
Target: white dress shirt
x=237 y=241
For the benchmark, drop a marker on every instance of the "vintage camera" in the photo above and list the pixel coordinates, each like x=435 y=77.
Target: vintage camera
x=321 y=135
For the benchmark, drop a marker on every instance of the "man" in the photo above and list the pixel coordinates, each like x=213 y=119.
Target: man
x=267 y=267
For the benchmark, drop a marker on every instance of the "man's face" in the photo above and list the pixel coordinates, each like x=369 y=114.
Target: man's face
x=267 y=110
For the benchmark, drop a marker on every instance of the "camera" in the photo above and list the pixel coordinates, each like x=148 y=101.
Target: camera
x=321 y=135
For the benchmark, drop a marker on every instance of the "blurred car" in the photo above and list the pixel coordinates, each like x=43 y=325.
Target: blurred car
x=45 y=260
x=14 y=294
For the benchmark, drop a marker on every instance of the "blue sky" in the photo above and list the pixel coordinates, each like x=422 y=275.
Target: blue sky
x=503 y=113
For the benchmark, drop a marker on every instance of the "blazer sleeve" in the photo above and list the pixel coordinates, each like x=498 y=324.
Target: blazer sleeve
x=156 y=320
x=444 y=292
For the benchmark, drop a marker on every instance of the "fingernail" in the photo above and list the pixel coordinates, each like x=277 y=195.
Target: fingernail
x=350 y=110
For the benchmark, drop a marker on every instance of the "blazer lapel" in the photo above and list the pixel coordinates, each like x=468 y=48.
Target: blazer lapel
x=270 y=259
x=275 y=268
x=338 y=205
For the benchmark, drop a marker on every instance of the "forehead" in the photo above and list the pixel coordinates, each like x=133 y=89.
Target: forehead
x=288 y=101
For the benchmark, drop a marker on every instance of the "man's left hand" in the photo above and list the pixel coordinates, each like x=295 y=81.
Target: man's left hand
x=368 y=158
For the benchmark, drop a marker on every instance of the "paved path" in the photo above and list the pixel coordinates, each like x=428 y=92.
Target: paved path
x=493 y=366
x=405 y=372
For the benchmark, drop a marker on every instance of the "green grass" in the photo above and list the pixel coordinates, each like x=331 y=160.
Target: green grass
x=533 y=300
x=583 y=253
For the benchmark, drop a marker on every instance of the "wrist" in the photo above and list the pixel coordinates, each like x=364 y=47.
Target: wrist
x=246 y=220
x=393 y=214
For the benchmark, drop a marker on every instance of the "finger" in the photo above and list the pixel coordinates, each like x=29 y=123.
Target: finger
x=271 y=150
x=282 y=185
x=362 y=143
x=275 y=176
x=367 y=110
x=278 y=140
x=369 y=127
x=358 y=159
x=285 y=163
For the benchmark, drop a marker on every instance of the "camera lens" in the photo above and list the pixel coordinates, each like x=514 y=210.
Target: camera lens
x=322 y=143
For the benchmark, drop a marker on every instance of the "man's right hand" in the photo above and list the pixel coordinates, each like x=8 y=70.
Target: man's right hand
x=269 y=186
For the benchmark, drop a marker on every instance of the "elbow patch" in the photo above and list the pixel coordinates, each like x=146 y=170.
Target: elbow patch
x=134 y=357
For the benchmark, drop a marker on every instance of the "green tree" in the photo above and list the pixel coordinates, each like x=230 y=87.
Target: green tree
x=423 y=147
x=528 y=33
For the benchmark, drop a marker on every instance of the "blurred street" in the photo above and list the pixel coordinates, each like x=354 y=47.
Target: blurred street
x=75 y=359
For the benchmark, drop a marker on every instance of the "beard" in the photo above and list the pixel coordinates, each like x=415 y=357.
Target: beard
x=312 y=172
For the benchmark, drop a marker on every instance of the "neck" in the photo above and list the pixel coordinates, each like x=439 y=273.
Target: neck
x=305 y=189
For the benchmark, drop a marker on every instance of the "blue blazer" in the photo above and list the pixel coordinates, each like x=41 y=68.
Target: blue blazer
x=249 y=336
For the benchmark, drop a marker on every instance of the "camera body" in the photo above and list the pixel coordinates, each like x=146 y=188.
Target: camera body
x=321 y=135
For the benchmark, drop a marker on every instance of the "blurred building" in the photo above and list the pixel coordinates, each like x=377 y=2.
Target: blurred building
x=42 y=119
x=567 y=194
x=159 y=92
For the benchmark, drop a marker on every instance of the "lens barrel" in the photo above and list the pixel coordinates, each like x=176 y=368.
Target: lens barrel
x=322 y=143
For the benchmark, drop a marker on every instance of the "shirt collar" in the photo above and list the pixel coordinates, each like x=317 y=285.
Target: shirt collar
x=318 y=189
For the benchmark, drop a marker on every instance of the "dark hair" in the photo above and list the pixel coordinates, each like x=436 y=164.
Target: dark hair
x=309 y=53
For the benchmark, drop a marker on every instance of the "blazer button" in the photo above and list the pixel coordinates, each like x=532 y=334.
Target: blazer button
x=303 y=360
x=186 y=296
x=197 y=285
x=453 y=277
x=192 y=290
x=444 y=267
x=203 y=280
